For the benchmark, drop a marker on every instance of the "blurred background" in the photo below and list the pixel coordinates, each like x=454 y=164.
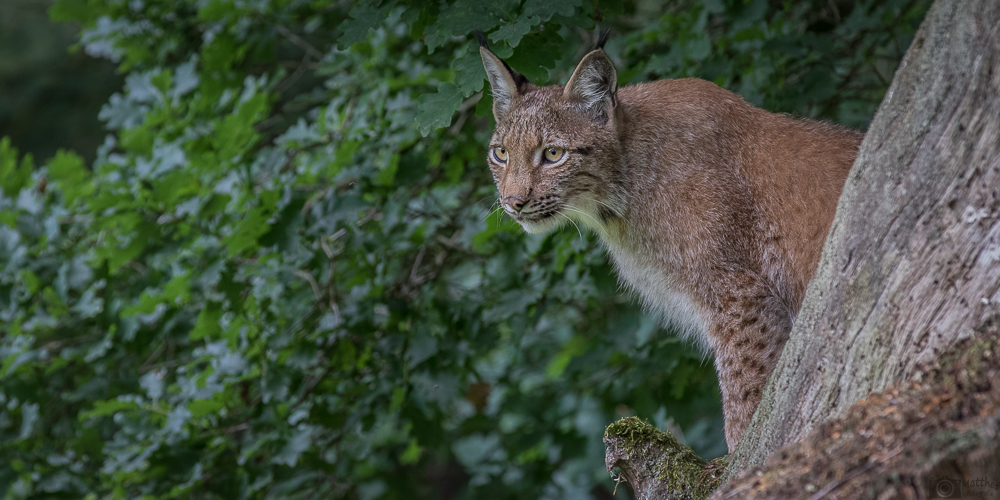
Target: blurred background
x=50 y=96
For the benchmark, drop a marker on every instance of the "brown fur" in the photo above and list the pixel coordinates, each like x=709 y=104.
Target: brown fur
x=714 y=211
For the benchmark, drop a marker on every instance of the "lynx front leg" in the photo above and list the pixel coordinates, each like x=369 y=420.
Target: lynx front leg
x=750 y=327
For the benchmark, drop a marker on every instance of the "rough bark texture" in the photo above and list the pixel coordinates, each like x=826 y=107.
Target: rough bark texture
x=935 y=436
x=912 y=262
x=910 y=272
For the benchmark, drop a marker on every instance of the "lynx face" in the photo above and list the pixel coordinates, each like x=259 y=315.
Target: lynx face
x=546 y=158
x=555 y=150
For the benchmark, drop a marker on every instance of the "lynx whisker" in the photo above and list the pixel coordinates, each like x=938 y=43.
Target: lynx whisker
x=496 y=202
x=613 y=209
x=496 y=206
x=495 y=210
x=585 y=214
x=572 y=222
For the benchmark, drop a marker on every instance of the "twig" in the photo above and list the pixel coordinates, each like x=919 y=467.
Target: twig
x=310 y=386
x=450 y=242
x=56 y=344
x=330 y=254
x=166 y=364
x=464 y=112
x=299 y=71
x=299 y=42
x=371 y=215
x=155 y=354
x=414 y=279
x=262 y=126
x=326 y=245
x=228 y=430
x=312 y=282
x=347 y=114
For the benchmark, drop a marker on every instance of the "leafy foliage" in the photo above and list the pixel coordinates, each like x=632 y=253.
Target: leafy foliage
x=272 y=284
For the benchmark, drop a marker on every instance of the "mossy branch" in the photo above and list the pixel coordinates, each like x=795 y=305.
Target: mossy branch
x=655 y=465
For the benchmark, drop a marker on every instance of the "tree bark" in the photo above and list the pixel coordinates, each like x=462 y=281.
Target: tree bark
x=912 y=261
x=934 y=436
x=911 y=266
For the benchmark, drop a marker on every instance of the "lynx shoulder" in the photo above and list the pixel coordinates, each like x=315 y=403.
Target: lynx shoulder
x=713 y=211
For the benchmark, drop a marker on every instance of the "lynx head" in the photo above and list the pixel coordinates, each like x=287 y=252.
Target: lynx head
x=555 y=152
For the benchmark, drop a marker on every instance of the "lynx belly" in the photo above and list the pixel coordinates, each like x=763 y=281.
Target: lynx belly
x=660 y=294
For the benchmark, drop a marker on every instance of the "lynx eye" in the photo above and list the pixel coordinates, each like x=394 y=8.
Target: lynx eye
x=500 y=154
x=553 y=154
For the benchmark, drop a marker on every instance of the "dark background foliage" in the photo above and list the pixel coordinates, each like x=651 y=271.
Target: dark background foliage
x=49 y=98
x=273 y=268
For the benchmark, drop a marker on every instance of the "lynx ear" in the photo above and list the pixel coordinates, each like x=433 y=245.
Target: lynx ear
x=505 y=82
x=593 y=86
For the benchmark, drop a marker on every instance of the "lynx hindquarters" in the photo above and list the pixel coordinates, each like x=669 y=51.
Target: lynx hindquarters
x=713 y=211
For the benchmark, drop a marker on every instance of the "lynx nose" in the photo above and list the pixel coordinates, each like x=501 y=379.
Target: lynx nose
x=513 y=204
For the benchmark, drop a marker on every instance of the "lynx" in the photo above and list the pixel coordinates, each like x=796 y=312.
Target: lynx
x=713 y=211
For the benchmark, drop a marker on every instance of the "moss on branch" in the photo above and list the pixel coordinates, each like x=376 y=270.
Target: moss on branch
x=656 y=465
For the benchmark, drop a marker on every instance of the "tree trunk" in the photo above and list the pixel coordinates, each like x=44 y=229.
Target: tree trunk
x=911 y=266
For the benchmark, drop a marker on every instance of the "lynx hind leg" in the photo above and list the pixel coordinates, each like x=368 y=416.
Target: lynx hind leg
x=751 y=328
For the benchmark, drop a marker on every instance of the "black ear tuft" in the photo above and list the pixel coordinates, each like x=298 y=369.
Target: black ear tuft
x=604 y=39
x=481 y=38
x=519 y=79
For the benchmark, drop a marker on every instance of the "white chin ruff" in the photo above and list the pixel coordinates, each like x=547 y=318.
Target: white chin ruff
x=543 y=226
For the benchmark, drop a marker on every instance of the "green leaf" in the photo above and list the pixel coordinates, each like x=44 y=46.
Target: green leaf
x=73 y=179
x=207 y=325
x=54 y=304
x=247 y=231
x=437 y=109
x=611 y=7
x=14 y=176
x=176 y=291
x=411 y=454
x=573 y=348
x=117 y=255
x=699 y=48
x=109 y=407
x=484 y=108
x=465 y=16
x=469 y=73
x=147 y=304
x=31 y=281
x=201 y=407
x=513 y=32
x=236 y=132
x=536 y=53
x=215 y=10
x=364 y=17
x=545 y=9
x=174 y=186
x=343 y=156
x=74 y=10
x=388 y=172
